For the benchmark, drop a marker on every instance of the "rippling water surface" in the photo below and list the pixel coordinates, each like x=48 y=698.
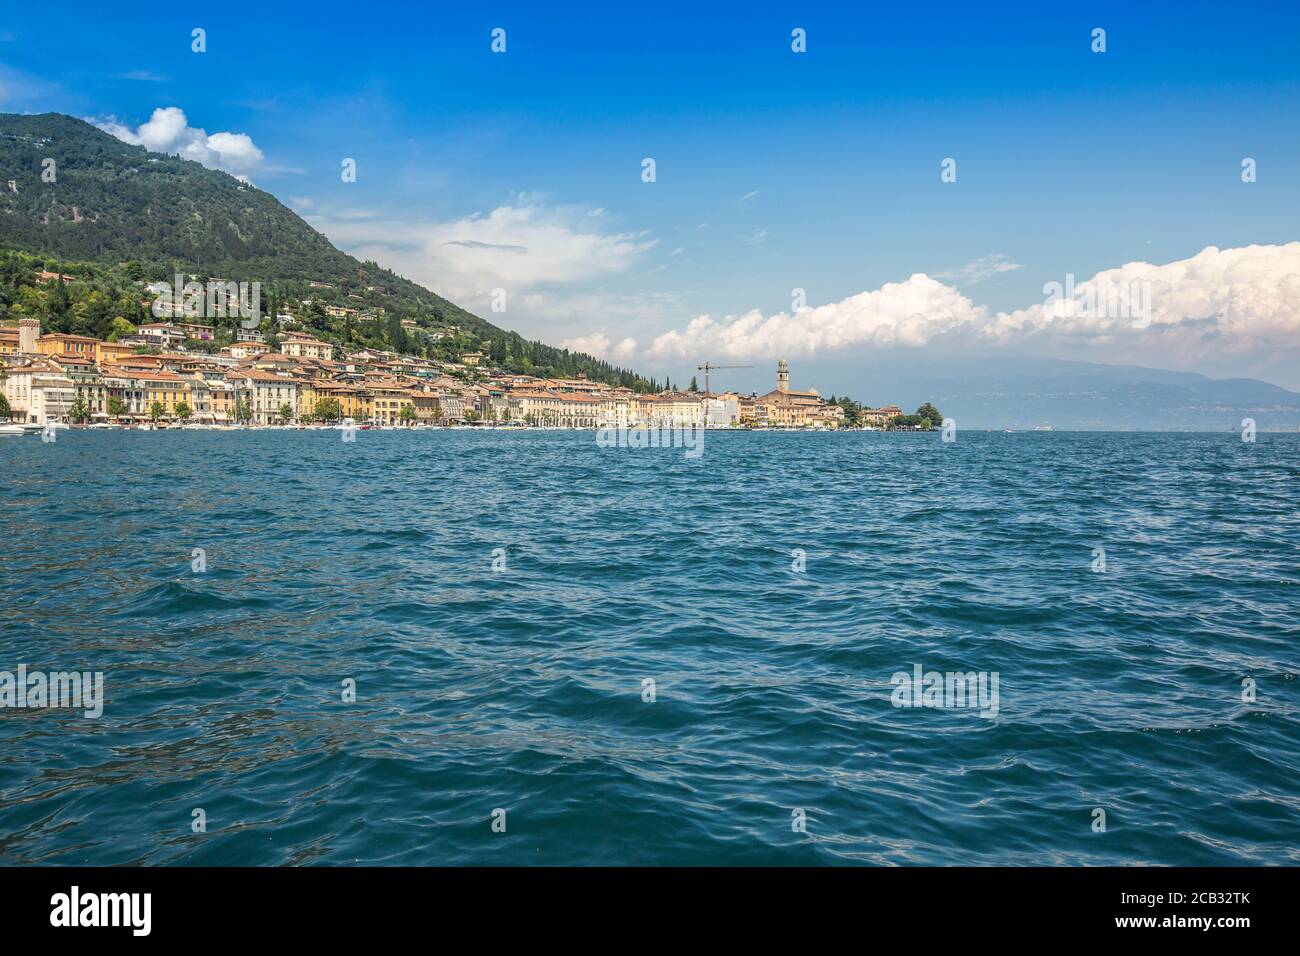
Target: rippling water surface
x=523 y=689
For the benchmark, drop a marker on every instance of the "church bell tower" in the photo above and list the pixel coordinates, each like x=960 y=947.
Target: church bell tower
x=782 y=376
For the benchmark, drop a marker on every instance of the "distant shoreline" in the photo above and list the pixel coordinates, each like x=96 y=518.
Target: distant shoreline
x=37 y=429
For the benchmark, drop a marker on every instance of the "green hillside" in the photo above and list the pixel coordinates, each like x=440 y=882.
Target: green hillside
x=118 y=214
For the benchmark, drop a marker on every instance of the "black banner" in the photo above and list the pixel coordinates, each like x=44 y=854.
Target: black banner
x=334 y=905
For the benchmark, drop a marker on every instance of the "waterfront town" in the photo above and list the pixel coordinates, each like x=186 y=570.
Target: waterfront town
x=149 y=379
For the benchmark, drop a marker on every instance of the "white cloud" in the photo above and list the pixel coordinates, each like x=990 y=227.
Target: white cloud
x=598 y=344
x=899 y=313
x=168 y=131
x=527 y=249
x=141 y=76
x=977 y=270
x=1241 y=302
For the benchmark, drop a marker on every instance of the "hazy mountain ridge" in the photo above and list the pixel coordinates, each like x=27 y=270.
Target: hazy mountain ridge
x=993 y=391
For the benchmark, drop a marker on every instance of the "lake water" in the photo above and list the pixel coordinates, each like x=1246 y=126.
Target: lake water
x=1159 y=690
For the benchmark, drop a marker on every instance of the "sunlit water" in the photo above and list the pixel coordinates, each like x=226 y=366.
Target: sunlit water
x=523 y=689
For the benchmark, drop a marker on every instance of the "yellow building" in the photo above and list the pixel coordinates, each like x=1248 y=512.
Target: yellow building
x=389 y=399
x=112 y=351
x=555 y=409
x=425 y=403
x=882 y=416
x=222 y=399
x=138 y=389
x=58 y=343
x=792 y=408
x=356 y=403
x=352 y=402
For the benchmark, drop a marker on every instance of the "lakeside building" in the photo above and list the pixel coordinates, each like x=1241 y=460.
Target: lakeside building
x=270 y=393
x=880 y=417
x=87 y=382
x=138 y=389
x=38 y=392
x=790 y=408
x=46 y=375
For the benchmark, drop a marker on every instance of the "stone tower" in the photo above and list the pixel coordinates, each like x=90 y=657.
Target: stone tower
x=782 y=376
x=29 y=330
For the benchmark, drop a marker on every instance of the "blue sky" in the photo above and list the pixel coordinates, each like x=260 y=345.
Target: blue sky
x=774 y=170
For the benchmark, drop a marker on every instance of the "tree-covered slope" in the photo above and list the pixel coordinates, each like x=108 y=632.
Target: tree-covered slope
x=120 y=206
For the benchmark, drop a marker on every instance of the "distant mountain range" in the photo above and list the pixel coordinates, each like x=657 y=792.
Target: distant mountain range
x=994 y=391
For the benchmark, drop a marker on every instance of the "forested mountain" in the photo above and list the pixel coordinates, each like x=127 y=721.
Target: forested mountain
x=117 y=214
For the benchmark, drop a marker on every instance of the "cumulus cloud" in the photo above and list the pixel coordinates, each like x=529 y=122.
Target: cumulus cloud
x=168 y=131
x=599 y=345
x=898 y=313
x=1220 y=301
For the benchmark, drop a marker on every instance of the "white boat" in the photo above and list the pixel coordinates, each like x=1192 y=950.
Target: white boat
x=12 y=430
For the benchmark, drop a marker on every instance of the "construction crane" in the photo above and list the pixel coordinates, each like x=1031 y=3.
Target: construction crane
x=706 y=368
x=709 y=366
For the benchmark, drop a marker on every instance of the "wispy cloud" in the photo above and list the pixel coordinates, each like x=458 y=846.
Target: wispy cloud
x=475 y=244
x=141 y=76
x=977 y=270
x=541 y=254
x=20 y=89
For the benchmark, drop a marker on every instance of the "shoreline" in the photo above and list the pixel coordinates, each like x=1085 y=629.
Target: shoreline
x=21 y=429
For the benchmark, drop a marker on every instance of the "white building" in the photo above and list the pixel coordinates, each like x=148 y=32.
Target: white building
x=721 y=411
x=270 y=393
x=162 y=335
x=39 y=393
x=305 y=346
